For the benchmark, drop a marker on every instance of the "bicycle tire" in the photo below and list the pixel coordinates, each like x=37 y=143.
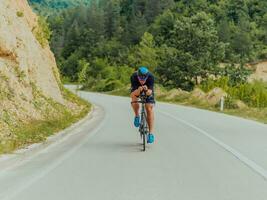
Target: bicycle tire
x=144 y=141
x=143 y=130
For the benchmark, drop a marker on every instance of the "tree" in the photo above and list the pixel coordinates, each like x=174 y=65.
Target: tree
x=113 y=50
x=112 y=18
x=82 y=75
x=162 y=27
x=70 y=67
x=135 y=30
x=155 y=7
x=196 y=50
x=72 y=40
x=145 y=53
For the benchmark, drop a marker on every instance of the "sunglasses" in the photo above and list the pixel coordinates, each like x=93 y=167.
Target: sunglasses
x=142 y=77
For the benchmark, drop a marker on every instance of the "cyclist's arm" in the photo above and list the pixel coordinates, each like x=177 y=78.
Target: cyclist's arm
x=150 y=86
x=149 y=92
x=135 y=90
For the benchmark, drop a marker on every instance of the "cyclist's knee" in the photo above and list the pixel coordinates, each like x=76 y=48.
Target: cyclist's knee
x=133 y=96
x=149 y=107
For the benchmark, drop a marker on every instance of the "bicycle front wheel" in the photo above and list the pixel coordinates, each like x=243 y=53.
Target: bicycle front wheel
x=144 y=141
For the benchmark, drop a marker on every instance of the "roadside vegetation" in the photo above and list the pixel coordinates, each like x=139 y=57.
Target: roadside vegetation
x=56 y=118
x=47 y=7
x=42 y=31
x=210 y=100
x=196 y=49
x=182 y=42
x=27 y=115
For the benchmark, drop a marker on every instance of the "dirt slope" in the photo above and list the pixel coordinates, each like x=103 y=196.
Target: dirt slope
x=29 y=79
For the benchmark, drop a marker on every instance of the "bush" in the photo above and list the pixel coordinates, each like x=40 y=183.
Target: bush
x=112 y=85
x=253 y=94
x=209 y=84
x=229 y=102
x=20 y=14
x=102 y=77
x=42 y=32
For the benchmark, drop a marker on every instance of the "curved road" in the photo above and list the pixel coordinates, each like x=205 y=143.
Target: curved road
x=198 y=155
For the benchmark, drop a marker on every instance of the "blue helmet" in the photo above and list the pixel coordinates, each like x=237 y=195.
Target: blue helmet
x=142 y=73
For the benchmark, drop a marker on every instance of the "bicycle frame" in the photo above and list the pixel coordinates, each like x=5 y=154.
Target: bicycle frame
x=143 y=128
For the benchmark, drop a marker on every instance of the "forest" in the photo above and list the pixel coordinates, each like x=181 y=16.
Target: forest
x=48 y=7
x=182 y=42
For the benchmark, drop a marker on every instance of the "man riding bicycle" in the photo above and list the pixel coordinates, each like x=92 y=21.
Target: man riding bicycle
x=143 y=81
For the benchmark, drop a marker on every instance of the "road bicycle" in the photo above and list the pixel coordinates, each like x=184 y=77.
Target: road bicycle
x=143 y=128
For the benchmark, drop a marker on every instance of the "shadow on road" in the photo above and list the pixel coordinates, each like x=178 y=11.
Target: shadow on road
x=115 y=147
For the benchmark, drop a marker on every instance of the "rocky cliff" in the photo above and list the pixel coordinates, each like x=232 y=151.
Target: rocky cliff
x=29 y=79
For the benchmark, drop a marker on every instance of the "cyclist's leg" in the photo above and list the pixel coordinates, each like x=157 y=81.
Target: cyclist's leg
x=150 y=116
x=135 y=106
x=150 y=101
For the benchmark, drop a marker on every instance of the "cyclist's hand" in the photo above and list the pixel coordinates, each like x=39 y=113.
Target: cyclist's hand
x=145 y=88
x=140 y=89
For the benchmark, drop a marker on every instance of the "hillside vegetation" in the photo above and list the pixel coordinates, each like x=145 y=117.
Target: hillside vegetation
x=47 y=7
x=34 y=103
x=205 y=44
x=181 y=41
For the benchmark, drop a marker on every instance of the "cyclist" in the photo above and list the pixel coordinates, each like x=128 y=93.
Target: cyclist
x=143 y=80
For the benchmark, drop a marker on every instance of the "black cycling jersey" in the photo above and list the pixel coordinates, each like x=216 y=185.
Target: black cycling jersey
x=135 y=84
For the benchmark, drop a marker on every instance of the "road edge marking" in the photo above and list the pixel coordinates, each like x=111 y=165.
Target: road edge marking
x=36 y=177
x=251 y=164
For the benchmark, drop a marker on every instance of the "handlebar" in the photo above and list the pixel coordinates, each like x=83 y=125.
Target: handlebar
x=142 y=97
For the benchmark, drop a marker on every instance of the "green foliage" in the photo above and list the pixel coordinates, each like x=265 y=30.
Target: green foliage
x=102 y=77
x=48 y=7
x=20 y=14
x=124 y=91
x=82 y=75
x=144 y=54
x=192 y=51
x=112 y=19
x=209 y=84
x=239 y=24
x=70 y=67
x=112 y=50
x=237 y=74
x=38 y=131
x=253 y=94
x=181 y=41
x=42 y=32
x=19 y=73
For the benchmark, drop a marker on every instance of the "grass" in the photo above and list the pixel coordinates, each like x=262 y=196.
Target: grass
x=20 y=14
x=120 y=92
x=256 y=114
x=42 y=32
x=38 y=131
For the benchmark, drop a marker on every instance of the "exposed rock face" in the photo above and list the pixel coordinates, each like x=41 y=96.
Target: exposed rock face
x=19 y=48
x=26 y=68
x=198 y=93
x=260 y=72
x=174 y=93
x=214 y=96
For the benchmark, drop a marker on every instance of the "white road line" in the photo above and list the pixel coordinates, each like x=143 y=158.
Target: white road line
x=251 y=164
x=35 y=178
x=53 y=140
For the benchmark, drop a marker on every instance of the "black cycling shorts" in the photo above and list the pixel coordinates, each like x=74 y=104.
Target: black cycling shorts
x=150 y=99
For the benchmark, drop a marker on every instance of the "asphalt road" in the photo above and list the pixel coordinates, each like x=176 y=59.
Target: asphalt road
x=198 y=155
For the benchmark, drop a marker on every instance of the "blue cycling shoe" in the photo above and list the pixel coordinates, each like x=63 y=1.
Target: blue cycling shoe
x=150 y=138
x=137 y=121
